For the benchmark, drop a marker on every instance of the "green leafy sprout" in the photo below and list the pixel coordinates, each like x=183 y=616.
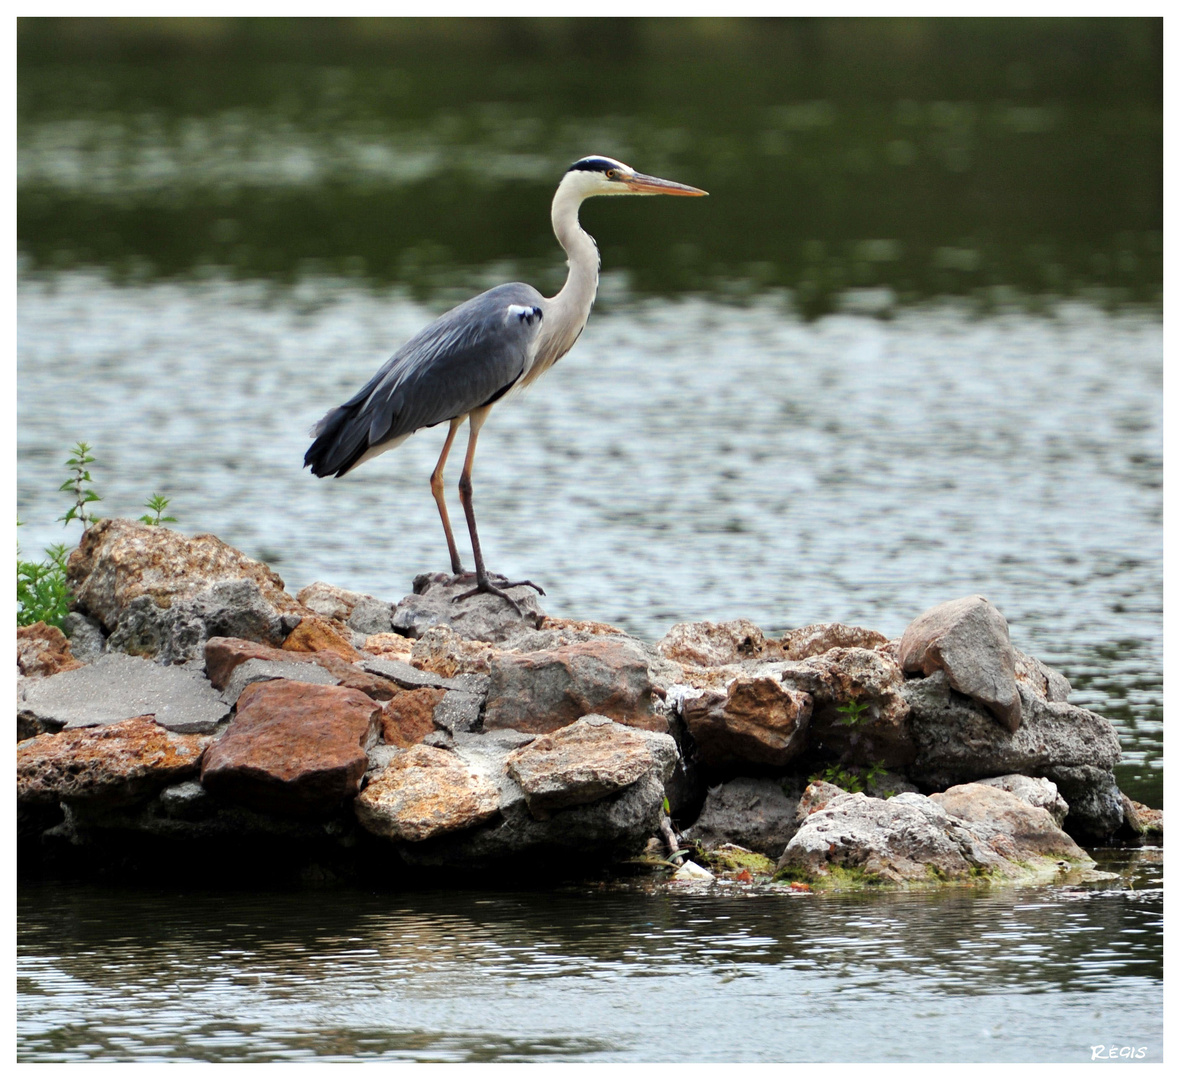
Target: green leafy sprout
x=83 y=496
x=157 y=504
x=852 y=712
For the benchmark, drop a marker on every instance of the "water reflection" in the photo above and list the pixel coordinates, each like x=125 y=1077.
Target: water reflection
x=513 y=976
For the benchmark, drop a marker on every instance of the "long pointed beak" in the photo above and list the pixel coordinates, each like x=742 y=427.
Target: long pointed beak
x=639 y=184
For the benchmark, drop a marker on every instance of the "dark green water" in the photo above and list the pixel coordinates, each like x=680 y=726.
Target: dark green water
x=910 y=348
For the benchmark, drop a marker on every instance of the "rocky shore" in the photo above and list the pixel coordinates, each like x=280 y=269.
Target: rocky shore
x=197 y=719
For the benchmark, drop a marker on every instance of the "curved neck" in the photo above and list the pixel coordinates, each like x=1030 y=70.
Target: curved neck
x=571 y=306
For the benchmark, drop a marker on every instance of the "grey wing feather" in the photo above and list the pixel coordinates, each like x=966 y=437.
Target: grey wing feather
x=465 y=359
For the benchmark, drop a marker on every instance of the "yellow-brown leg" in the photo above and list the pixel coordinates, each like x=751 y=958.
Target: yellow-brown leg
x=436 y=486
x=482 y=580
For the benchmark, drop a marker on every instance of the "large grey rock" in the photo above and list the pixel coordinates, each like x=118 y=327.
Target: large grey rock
x=543 y=691
x=968 y=639
x=458 y=711
x=1034 y=790
x=117 y=687
x=957 y=742
x=371 y=616
x=483 y=617
x=755 y=813
x=1095 y=802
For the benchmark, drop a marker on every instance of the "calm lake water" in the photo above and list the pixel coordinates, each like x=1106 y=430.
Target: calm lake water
x=910 y=348
x=599 y=976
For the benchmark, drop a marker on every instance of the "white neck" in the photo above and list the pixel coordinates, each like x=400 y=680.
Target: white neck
x=569 y=309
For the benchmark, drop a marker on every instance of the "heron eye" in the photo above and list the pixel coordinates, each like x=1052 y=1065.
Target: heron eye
x=612 y=174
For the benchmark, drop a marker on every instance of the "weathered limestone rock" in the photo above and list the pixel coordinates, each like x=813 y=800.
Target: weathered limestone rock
x=581 y=626
x=425 y=792
x=756 y=813
x=43 y=650
x=757 y=719
x=818 y=638
x=581 y=763
x=540 y=692
x=293 y=748
x=957 y=742
x=815 y=797
x=1042 y=680
x=692 y=874
x=117 y=687
x=968 y=639
x=161 y=594
x=224 y=655
x=116 y=764
x=1141 y=820
x=1036 y=791
x=440 y=650
x=330 y=601
x=390 y=646
x=315 y=634
x=914 y=839
x=482 y=617
x=890 y=840
x=1013 y=828
x=708 y=644
x=409 y=716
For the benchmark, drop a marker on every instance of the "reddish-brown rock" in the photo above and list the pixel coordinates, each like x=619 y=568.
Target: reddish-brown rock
x=294 y=748
x=317 y=634
x=542 y=691
x=755 y=719
x=425 y=792
x=409 y=716
x=222 y=655
x=115 y=764
x=43 y=650
x=391 y=645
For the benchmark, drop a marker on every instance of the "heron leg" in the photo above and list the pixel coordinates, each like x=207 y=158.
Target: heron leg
x=483 y=581
x=436 y=486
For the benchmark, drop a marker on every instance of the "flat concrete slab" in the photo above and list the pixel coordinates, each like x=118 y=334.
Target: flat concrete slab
x=118 y=687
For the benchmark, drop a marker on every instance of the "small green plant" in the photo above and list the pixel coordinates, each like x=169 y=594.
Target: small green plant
x=157 y=504
x=83 y=496
x=842 y=778
x=41 y=591
x=852 y=712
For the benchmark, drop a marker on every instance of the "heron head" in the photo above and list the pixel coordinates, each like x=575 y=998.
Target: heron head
x=597 y=175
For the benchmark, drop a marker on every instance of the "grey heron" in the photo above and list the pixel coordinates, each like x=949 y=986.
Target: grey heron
x=460 y=365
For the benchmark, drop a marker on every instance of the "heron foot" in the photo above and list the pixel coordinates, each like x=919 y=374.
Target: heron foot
x=485 y=585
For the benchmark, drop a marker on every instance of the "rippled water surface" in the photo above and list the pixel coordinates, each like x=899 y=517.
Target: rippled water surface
x=1006 y=975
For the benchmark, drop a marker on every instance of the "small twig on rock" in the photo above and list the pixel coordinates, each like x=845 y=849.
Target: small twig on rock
x=669 y=836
